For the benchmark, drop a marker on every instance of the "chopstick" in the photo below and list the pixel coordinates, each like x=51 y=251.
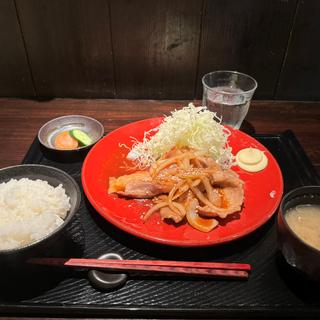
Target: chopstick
x=217 y=269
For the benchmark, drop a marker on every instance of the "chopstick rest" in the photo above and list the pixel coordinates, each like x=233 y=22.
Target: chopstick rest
x=107 y=280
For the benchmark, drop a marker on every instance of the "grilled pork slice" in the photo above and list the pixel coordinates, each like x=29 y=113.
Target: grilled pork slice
x=229 y=186
x=137 y=185
x=225 y=195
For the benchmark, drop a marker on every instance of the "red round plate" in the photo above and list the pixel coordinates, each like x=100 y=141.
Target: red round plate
x=263 y=192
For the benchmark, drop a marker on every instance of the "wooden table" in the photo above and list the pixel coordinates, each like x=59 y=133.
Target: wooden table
x=20 y=120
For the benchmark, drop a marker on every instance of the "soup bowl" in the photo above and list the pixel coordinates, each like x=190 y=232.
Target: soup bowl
x=296 y=251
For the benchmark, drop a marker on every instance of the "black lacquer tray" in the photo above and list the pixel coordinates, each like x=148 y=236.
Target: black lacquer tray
x=273 y=289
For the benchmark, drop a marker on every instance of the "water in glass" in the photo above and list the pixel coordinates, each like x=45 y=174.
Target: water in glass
x=230 y=104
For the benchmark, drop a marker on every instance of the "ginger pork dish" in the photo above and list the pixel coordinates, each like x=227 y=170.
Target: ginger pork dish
x=185 y=167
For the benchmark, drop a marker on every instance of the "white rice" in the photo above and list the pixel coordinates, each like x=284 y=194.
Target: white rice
x=30 y=210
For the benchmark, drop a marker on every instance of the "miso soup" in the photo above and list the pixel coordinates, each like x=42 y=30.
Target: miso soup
x=304 y=220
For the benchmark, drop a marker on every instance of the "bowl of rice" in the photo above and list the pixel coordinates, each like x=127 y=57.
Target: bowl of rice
x=36 y=204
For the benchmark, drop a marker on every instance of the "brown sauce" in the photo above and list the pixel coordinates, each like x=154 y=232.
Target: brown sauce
x=224 y=201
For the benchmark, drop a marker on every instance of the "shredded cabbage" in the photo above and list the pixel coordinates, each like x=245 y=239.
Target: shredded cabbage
x=193 y=127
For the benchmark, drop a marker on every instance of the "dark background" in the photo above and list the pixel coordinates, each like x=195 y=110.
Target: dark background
x=157 y=49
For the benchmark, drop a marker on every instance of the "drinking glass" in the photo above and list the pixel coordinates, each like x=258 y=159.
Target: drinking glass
x=228 y=93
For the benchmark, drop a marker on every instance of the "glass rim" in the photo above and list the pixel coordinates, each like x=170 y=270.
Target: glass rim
x=231 y=72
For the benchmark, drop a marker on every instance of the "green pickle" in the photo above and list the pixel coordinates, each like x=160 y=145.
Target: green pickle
x=81 y=136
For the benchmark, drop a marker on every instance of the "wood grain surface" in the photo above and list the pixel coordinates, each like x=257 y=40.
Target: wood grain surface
x=300 y=77
x=69 y=47
x=155 y=47
x=15 y=77
x=255 y=44
x=20 y=120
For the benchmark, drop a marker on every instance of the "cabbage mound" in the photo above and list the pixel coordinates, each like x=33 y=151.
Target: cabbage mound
x=193 y=127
